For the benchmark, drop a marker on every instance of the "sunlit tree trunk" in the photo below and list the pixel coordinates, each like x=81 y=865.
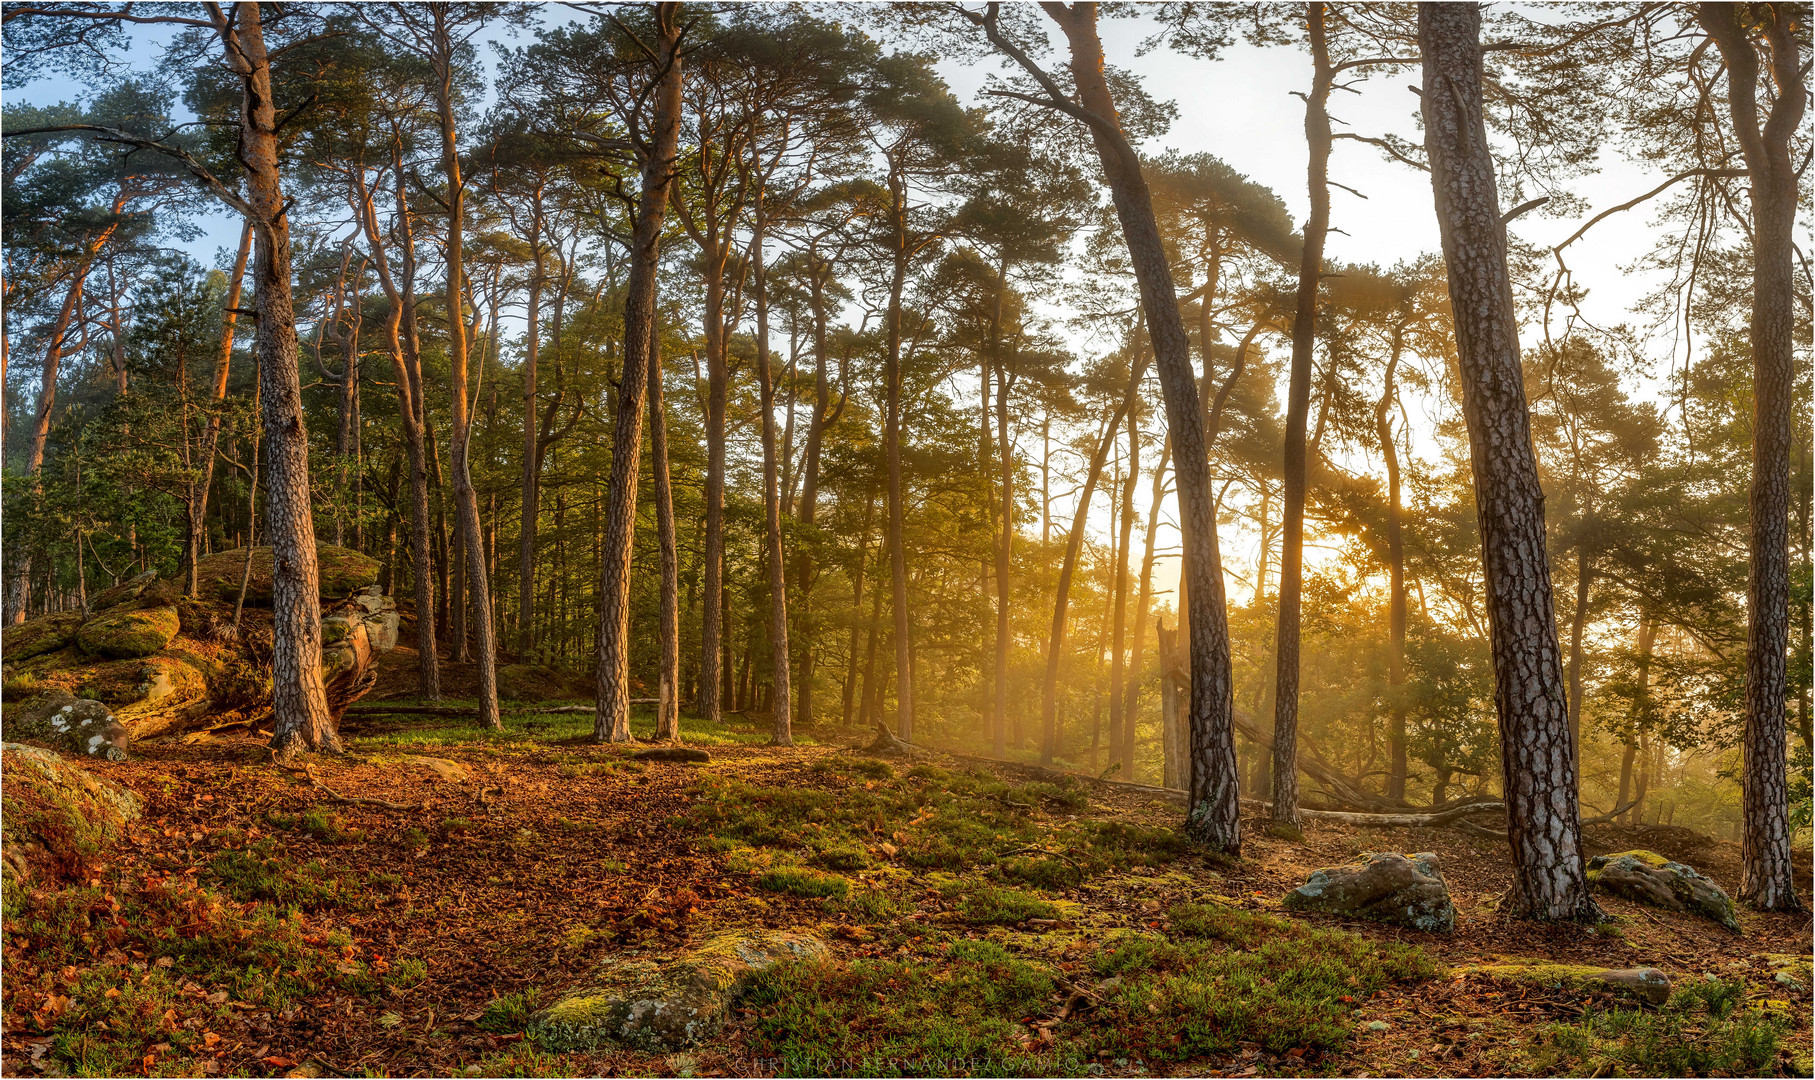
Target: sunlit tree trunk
x=1395 y=559
x=1298 y=404
x=780 y=662
x=1538 y=763
x=612 y=721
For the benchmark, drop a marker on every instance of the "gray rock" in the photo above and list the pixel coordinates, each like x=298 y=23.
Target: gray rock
x=71 y=724
x=662 y=1004
x=1649 y=878
x=1389 y=888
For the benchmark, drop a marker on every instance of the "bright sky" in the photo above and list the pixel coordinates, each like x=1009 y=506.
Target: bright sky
x=1241 y=109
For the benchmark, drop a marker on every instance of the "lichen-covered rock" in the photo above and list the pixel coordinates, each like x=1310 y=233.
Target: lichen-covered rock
x=1389 y=888
x=1645 y=983
x=342 y=573
x=71 y=724
x=661 y=1004
x=533 y=682
x=57 y=816
x=127 y=635
x=123 y=592
x=1649 y=878
x=35 y=637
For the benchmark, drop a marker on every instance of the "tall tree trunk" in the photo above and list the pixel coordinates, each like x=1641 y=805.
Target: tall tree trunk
x=891 y=443
x=466 y=502
x=782 y=712
x=1049 y=698
x=1578 y=623
x=299 y=706
x=714 y=669
x=400 y=341
x=1005 y=547
x=808 y=510
x=612 y=722
x=857 y=575
x=1538 y=762
x=1638 y=718
x=198 y=498
x=1397 y=767
x=1298 y=405
x=1214 y=817
x=1132 y=694
x=668 y=707
x=1119 y=713
x=1767 y=880
x=532 y=457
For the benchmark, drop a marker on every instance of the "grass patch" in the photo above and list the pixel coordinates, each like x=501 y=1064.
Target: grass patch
x=803 y=882
x=927 y=819
x=1704 y=1030
x=1220 y=980
x=985 y=904
x=1225 y=977
x=509 y=1013
x=906 y=1017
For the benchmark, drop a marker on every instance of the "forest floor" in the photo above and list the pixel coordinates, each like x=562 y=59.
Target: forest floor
x=255 y=922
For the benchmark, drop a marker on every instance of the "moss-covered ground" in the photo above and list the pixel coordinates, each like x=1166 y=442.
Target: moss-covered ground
x=982 y=920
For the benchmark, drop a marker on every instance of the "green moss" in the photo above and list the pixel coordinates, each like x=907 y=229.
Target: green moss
x=35 y=637
x=1704 y=1030
x=127 y=635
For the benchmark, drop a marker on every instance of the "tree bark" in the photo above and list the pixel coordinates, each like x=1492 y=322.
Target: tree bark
x=1214 y=815
x=1538 y=762
x=466 y=502
x=532 y=456
x=204 y=484
x=1395 y=558
x=668 y=704
x=400 y=341
x=1120 y=710
x=299 y=706
x=1767 y=880
x=1298 y=406
x=612 y=722
x=891 y=442
x=782 y=712
x=1132 y=693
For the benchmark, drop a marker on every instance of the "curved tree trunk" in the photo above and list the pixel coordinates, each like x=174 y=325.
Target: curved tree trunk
x=1538 y=761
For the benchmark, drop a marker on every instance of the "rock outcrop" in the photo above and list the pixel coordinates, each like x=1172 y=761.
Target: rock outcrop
x=80 y=726
x=1649 y=878
x=57 y=815
x=1390 y=888
x=158 y=662
x=662 y=1004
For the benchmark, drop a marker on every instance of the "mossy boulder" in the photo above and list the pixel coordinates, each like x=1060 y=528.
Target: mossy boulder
x=72 y=725
x=535 y=682
x=35 y=637
x=127 y=635
x=342 y=572
x=57 y=818
x=1645 y=983
x=1649 y=878
x=661 y=1004
x=125 y=591
x=1383 y=887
